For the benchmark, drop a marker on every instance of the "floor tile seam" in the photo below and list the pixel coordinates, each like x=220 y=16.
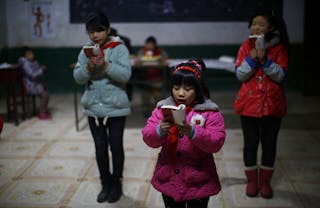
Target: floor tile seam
x=145 y=196
x=46 y=178
x=21 y=126
x=26 y=169
x=224 y=177
x=229 y=159
x=45 y=148
x=144 y=158
x=86 y=173
x=25 y=139
x=302 y=181
x=148 y=182
x=291 y=184
x=72 y=157
x=28 y=157
x=5 y=186
x=299 y=158
x=83 y=170
x=69 y=193
x=67 y=199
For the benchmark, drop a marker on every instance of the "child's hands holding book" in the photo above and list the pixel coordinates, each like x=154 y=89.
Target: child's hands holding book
x=175 y=115
x=95 y=57
x=96 y=62
x=258 y=51
x=185 y=128
x=165 y=126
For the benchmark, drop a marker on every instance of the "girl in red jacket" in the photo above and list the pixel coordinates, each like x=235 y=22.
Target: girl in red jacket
x=261 y=66
x=185 y=172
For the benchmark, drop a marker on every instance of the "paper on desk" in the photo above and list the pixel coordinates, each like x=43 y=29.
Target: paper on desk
x=4 y=65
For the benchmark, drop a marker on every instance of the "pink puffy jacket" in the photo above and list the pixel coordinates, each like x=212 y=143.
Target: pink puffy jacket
x=194 y=174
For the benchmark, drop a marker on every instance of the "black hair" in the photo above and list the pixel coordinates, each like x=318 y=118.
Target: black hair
x=113 y=32
x=97 y=22
x=188 y=77
x=25 y=49
x=277 y=22
x=151 y=39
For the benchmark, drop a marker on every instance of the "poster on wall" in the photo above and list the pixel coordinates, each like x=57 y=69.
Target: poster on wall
x=41 y=20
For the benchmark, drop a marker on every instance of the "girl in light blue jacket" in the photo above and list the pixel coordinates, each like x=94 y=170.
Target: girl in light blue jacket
x=105 y=101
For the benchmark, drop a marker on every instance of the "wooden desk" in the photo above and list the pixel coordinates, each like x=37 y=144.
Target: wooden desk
x=11 y=77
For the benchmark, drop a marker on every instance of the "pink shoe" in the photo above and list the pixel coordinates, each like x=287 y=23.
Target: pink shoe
x=44 y=116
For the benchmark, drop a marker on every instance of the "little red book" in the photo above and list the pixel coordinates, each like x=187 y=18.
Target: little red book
x=257 y=41
x=93 y=50
x=174 y=114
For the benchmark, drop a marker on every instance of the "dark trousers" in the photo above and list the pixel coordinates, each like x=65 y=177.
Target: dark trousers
x=105 y=135
x=256 y=130
x=194 y=203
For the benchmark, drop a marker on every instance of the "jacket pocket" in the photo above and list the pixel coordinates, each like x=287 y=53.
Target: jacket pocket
x=162 y=174
x=88 y=99
x=116 y=98
x=195 y=177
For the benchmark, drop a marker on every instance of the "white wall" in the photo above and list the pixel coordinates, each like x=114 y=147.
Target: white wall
x=69 y=35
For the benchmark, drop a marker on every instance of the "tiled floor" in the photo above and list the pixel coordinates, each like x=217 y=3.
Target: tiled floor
x=50 y=164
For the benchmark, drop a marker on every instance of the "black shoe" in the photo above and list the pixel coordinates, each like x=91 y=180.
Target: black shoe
x=103 y=195
x=116 y=191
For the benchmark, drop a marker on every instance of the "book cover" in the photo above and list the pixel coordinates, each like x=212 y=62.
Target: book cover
x=257 y=41
x=91 y=50
x=174 y=114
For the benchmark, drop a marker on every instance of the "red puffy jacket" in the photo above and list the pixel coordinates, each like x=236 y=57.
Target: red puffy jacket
x=259 y=94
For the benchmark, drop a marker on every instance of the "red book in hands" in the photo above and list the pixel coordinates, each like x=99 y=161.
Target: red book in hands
x=257 y=41
x=91 y=50
x=174 y=114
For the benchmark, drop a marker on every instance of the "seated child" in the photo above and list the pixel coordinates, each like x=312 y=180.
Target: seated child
x=32 y=80
x=152 y=56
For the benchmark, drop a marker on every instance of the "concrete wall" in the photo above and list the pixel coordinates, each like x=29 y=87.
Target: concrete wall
x=19 y=29
x=3 y=23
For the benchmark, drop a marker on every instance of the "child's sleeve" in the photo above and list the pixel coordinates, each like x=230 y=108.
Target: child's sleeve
x=211 y=137
x=276 y=69
x=80 y=72
x=245 y=65
x=150 y=133
x=120 y=69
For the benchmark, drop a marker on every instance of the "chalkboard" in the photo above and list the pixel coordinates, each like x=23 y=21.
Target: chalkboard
x=171 y=10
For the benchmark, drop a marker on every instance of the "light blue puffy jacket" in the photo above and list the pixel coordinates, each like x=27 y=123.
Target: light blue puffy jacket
x=105 y=94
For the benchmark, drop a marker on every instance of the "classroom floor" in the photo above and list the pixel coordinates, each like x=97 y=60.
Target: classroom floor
x=49 y=164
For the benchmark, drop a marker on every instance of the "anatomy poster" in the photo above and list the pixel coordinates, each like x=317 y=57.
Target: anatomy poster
x=42 y=25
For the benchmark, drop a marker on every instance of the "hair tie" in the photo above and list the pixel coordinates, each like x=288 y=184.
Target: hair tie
x=189 y=68
x=193 y=62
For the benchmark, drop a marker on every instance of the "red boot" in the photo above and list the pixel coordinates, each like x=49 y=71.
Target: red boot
x=265 y=187
x=252 y=182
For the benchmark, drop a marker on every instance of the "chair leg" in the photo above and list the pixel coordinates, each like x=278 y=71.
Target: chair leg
x=14 y=105
x=34 y=105
x=23 y=102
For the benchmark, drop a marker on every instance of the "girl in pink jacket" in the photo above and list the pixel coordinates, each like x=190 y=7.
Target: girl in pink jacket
x=185 y=172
